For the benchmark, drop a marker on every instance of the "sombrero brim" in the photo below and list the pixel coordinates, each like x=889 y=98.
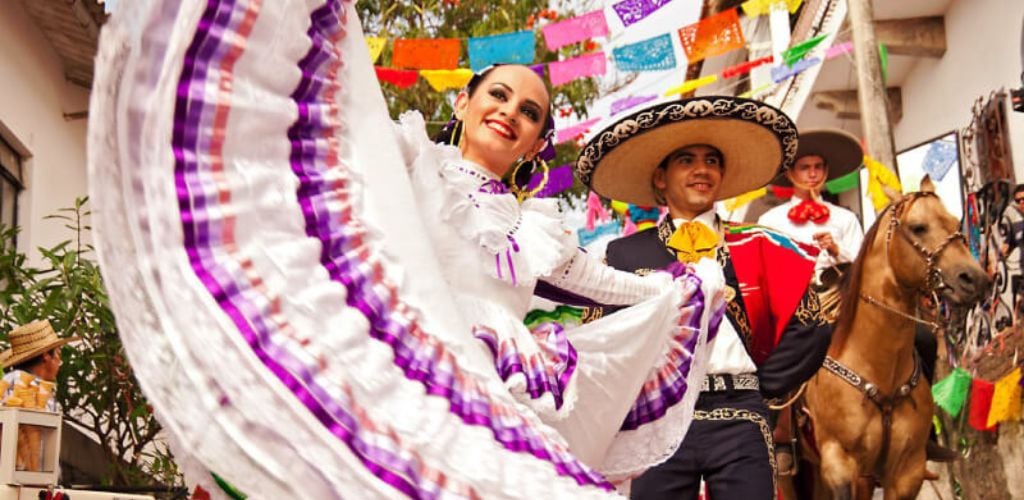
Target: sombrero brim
x=841 y=151
x=7 y=358
x=755 y=139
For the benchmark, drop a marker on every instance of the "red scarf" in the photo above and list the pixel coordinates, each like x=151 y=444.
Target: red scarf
x=809 y=210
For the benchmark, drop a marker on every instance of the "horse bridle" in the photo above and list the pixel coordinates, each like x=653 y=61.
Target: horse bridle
x=933 y=284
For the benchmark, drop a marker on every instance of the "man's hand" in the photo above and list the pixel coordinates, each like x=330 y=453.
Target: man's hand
x=826 y=243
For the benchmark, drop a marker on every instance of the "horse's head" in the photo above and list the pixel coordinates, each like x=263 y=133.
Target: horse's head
x=927 y=251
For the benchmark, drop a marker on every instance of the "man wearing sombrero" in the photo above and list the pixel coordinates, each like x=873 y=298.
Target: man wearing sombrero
x=823 y=155
x=686 y=155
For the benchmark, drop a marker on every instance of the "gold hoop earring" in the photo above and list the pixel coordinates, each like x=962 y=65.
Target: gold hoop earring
x=456 y=137
x=523 y=194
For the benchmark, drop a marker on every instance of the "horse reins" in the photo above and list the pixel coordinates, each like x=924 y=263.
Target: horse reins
x=933 y=283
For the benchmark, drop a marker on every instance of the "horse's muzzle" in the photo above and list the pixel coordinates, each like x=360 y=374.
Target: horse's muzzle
x=966 y=284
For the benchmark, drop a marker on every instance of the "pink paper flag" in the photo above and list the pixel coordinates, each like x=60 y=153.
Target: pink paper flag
x=838 y=50
x=570 y=133
x=562 y=72
x=574 y=30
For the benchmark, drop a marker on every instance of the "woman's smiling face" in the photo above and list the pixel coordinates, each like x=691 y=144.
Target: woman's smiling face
x=504 y=118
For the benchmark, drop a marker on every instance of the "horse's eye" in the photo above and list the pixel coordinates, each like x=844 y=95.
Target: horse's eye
x=919 y=229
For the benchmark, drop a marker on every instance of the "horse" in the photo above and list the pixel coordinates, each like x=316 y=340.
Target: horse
x=868 y=407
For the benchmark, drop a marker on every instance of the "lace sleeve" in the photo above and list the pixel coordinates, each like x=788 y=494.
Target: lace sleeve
x=588 y=277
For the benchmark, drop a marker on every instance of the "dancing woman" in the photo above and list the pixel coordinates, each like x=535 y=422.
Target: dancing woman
x=319 y=304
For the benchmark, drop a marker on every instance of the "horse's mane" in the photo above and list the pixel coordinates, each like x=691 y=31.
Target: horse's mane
x=849 y=289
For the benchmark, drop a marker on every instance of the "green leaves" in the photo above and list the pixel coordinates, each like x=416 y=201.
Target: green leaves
x=95 y=385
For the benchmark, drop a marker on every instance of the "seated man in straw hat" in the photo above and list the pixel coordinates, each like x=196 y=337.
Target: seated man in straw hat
x=823 y=155
x=35 y=356
x=686 y=155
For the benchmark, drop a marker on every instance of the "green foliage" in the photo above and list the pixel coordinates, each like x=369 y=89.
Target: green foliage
x=96 y=386
x=473 y=18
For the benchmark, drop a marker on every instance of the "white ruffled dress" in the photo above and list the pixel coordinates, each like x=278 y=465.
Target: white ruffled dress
x=309 y=297
x=620 y=389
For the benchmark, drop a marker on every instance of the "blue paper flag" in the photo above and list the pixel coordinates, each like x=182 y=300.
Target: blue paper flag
x=783 y=72
x=514 y=48
x=607 y=229
x=649 y=55
x=940 y=157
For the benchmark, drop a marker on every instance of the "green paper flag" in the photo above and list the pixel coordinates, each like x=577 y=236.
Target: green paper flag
x=798 y=51
x=228 y=488
x=844 y=183
x=950 y=392
x=564 y=315
x=883 y=60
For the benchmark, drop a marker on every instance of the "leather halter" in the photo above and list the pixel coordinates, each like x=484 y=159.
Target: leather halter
x=885 y=403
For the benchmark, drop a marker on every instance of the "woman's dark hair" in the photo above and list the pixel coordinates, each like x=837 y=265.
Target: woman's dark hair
x=453 y=126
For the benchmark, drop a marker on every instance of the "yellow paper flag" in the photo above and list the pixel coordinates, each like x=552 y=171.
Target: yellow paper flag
x=879 y=175
x=754 y=8
x=690 y=85
x=733 y=203
x=1006 y=399
x=444 y=79
x=752 y=92
x=375 y=45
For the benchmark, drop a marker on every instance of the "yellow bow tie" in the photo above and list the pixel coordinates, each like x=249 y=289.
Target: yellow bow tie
x=693 y=240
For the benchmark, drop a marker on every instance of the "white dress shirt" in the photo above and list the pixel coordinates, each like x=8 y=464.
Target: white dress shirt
x=728 y=355
x=842 y=224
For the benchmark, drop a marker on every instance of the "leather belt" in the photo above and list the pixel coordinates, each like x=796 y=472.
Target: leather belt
x=722 y=382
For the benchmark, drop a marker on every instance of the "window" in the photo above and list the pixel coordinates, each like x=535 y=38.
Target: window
x=10 y=183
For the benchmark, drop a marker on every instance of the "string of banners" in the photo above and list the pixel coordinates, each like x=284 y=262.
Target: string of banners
x=437 y=59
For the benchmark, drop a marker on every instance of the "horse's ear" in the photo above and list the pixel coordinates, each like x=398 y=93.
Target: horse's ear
x=927 y=186
x=893 y=195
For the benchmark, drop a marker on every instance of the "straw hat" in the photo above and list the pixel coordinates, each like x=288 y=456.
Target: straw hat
x=840 y=150
x=31 y=340
x=755 y=140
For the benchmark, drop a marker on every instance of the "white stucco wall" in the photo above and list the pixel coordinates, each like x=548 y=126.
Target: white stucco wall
x=982 y=55
x=33 y=99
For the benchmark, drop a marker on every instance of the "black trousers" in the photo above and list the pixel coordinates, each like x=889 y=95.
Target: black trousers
x=728 y=445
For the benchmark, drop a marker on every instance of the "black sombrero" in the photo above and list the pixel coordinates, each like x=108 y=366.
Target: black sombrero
x=756 y=141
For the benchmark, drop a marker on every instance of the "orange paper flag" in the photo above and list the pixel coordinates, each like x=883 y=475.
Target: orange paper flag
x=712 y=36
x=426 y=53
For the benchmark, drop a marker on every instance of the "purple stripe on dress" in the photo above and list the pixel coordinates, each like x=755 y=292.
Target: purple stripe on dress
x=546 y=372
x=344 y=257
x=652 y=405
x=216 y=26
